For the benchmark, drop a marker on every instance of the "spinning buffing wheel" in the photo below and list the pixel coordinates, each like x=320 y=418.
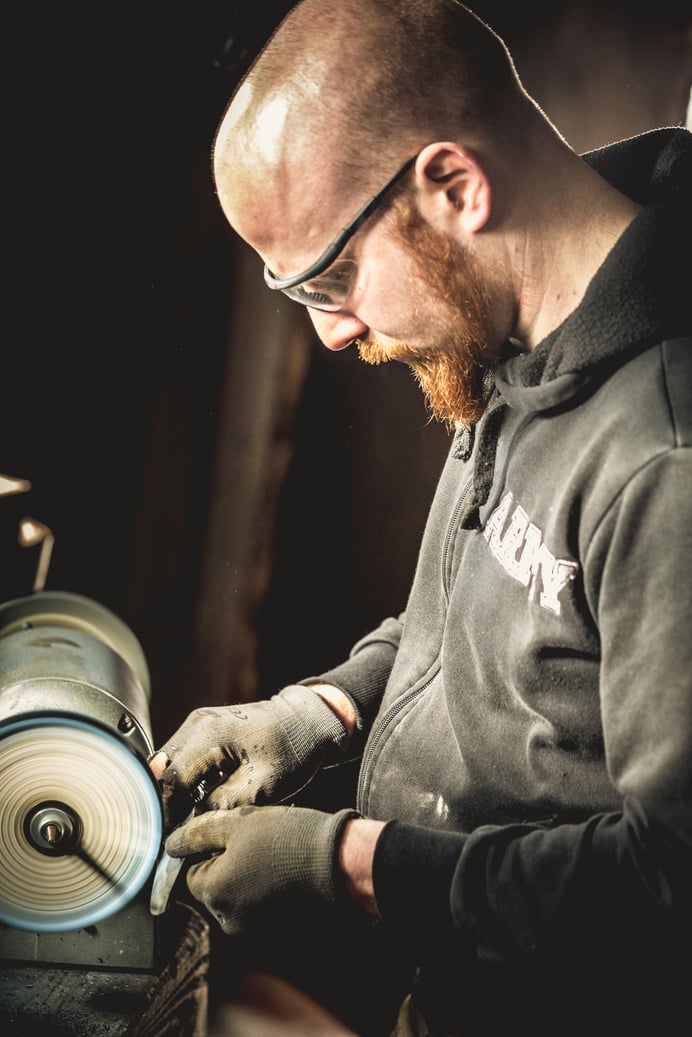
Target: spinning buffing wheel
x=80 y=811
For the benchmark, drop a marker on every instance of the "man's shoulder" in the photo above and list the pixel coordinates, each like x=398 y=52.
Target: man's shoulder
x=641 y=166
x=676 y=354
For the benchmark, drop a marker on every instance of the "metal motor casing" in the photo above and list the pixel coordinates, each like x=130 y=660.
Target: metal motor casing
x=74 y=743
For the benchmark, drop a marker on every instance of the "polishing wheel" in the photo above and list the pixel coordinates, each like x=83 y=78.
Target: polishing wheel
x=79 y=824
x=80 y=811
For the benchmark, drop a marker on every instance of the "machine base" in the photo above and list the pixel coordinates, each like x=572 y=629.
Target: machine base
x=36 y=1000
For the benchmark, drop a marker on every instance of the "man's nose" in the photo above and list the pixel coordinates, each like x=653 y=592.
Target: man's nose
x=337 y=330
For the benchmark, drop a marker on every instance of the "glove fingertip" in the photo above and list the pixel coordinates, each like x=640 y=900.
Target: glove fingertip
x=174 y=846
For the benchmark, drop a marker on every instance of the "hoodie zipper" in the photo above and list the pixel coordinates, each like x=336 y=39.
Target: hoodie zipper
x=380 y=728
x=451 y=536
x=379 y=731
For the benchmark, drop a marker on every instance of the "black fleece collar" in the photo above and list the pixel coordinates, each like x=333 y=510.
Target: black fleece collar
x=640 y=295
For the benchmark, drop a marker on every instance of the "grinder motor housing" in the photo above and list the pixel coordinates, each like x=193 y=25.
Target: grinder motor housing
x=81 y=819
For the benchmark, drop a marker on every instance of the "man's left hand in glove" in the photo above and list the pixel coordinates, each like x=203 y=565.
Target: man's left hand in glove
x=272 y=867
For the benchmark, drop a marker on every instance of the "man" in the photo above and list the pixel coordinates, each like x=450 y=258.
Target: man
x=523 y=825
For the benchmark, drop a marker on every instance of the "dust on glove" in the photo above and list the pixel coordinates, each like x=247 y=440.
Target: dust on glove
x=269 y=869
x=269 y=750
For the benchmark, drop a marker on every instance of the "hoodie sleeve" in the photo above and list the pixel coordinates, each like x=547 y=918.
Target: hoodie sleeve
x=510 y=891
x=363 y=676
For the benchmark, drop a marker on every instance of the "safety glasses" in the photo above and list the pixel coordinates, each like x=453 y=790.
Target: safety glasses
x=326 y=284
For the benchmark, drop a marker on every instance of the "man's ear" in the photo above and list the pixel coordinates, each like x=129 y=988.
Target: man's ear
x=455 y=186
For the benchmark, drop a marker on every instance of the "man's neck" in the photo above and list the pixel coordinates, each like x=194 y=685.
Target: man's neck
x=563 y=254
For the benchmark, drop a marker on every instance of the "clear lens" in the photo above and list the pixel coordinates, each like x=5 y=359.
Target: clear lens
x=329 y=290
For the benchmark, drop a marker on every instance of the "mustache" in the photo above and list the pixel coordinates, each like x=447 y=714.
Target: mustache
x=374 y=352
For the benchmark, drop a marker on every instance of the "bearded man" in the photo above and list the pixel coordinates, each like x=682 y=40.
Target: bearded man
x=523 y=822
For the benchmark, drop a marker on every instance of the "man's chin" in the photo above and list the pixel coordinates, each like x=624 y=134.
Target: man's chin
x=452 y=384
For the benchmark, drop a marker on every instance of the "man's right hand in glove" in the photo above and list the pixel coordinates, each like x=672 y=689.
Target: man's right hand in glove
x=276 y=871
x=261 y=752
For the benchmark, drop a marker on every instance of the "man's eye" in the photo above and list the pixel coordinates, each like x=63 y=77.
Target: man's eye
x=341 y=273
x=327 y=290
x=314 y=298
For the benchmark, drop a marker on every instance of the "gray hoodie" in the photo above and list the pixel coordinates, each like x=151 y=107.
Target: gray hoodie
x=529 y=716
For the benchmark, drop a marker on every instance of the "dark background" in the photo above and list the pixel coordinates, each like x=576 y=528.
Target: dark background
x=247 y=502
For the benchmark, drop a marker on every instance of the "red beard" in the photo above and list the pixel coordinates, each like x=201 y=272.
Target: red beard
x=453 y=376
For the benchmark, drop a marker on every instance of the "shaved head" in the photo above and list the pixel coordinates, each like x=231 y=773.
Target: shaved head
x=342 y=94
x=368 y=82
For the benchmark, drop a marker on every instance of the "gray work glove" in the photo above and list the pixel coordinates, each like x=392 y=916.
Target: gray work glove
x=269 y=870
x=261 y=752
